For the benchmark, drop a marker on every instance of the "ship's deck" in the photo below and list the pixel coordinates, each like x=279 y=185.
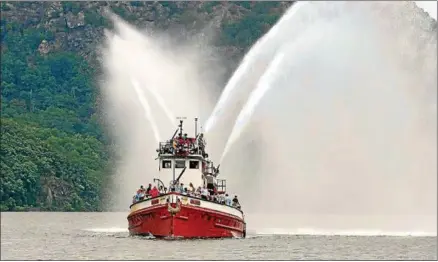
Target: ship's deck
x=188 y=196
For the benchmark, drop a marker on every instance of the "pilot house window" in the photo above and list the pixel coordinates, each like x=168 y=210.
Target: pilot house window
x=166 y=164
x=180 y=164
x=194 y=164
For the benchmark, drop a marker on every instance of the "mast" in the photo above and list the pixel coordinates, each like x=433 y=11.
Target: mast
x=173 y=174
x=196 y=126
x=180 y=128
x=174 y=154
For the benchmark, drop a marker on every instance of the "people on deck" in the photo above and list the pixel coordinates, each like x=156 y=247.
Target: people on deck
x=191 y=188
x=207 y=193
x=221 y=198
x=176 y=188
x=140 y=190
x=154 y=192
x=210 y=188
x=148 y=190
x=182 y=144
x=180 y=140
x=140 y=193
x=204 y=193
x=236 y=203
x=227 y=200
x=175 y=144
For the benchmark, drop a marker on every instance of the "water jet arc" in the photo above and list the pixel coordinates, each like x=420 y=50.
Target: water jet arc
x=147 y=110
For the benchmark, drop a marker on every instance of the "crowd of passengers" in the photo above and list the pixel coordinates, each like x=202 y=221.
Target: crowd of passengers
x=183 y=145
x=200 y=192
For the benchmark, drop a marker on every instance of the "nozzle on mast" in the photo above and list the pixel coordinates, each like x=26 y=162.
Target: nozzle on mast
x=196 y=127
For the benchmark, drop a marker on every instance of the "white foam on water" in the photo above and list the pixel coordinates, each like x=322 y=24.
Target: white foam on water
x=325 y=232
x=107 y=230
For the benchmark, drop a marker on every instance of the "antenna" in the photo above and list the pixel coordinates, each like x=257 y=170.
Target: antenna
x=196 y=127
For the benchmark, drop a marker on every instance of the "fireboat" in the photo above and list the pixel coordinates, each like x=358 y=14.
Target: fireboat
x=205 y=212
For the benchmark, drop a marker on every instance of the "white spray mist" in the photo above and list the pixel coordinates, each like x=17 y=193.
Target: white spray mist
x=345 y=137
x=148 y=81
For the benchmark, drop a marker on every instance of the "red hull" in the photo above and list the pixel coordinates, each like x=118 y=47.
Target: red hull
x=188 y=222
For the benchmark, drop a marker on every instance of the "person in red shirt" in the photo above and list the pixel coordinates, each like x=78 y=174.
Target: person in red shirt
x=154 y=192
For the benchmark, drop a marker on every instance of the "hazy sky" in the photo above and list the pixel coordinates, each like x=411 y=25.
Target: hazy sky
x=428 y=6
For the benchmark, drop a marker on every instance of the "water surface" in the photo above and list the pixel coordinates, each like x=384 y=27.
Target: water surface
x=103 y=236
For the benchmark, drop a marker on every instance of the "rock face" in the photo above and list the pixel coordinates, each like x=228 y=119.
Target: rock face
x=44 y=48
x=53 y=10
x=74 y=21
x=79 y=26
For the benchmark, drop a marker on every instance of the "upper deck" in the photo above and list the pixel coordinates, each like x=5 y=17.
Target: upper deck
x=181 y=145
x=187 y=155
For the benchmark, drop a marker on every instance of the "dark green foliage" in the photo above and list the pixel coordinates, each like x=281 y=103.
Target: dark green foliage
x=252 y=26
x=244 y=4
x=136 y=3
x=51 y=157
x=93 y=18
x=49 y=169
x=119 y=11
x=263 y=7
x=172 y=6
x=208 y=6
x=71 y=6
x=248 y=30
x=4 y=6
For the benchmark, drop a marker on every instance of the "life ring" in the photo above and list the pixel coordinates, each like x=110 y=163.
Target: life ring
x=174 y=210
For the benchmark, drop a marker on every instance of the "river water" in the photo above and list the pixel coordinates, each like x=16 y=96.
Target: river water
x=103 y=236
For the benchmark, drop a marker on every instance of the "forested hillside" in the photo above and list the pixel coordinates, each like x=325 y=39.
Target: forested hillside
x=54 y=151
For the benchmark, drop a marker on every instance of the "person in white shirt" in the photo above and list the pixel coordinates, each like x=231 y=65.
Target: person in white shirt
x=198 y=192
x=204 y=193
x=228 y=200
x=221 y=198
